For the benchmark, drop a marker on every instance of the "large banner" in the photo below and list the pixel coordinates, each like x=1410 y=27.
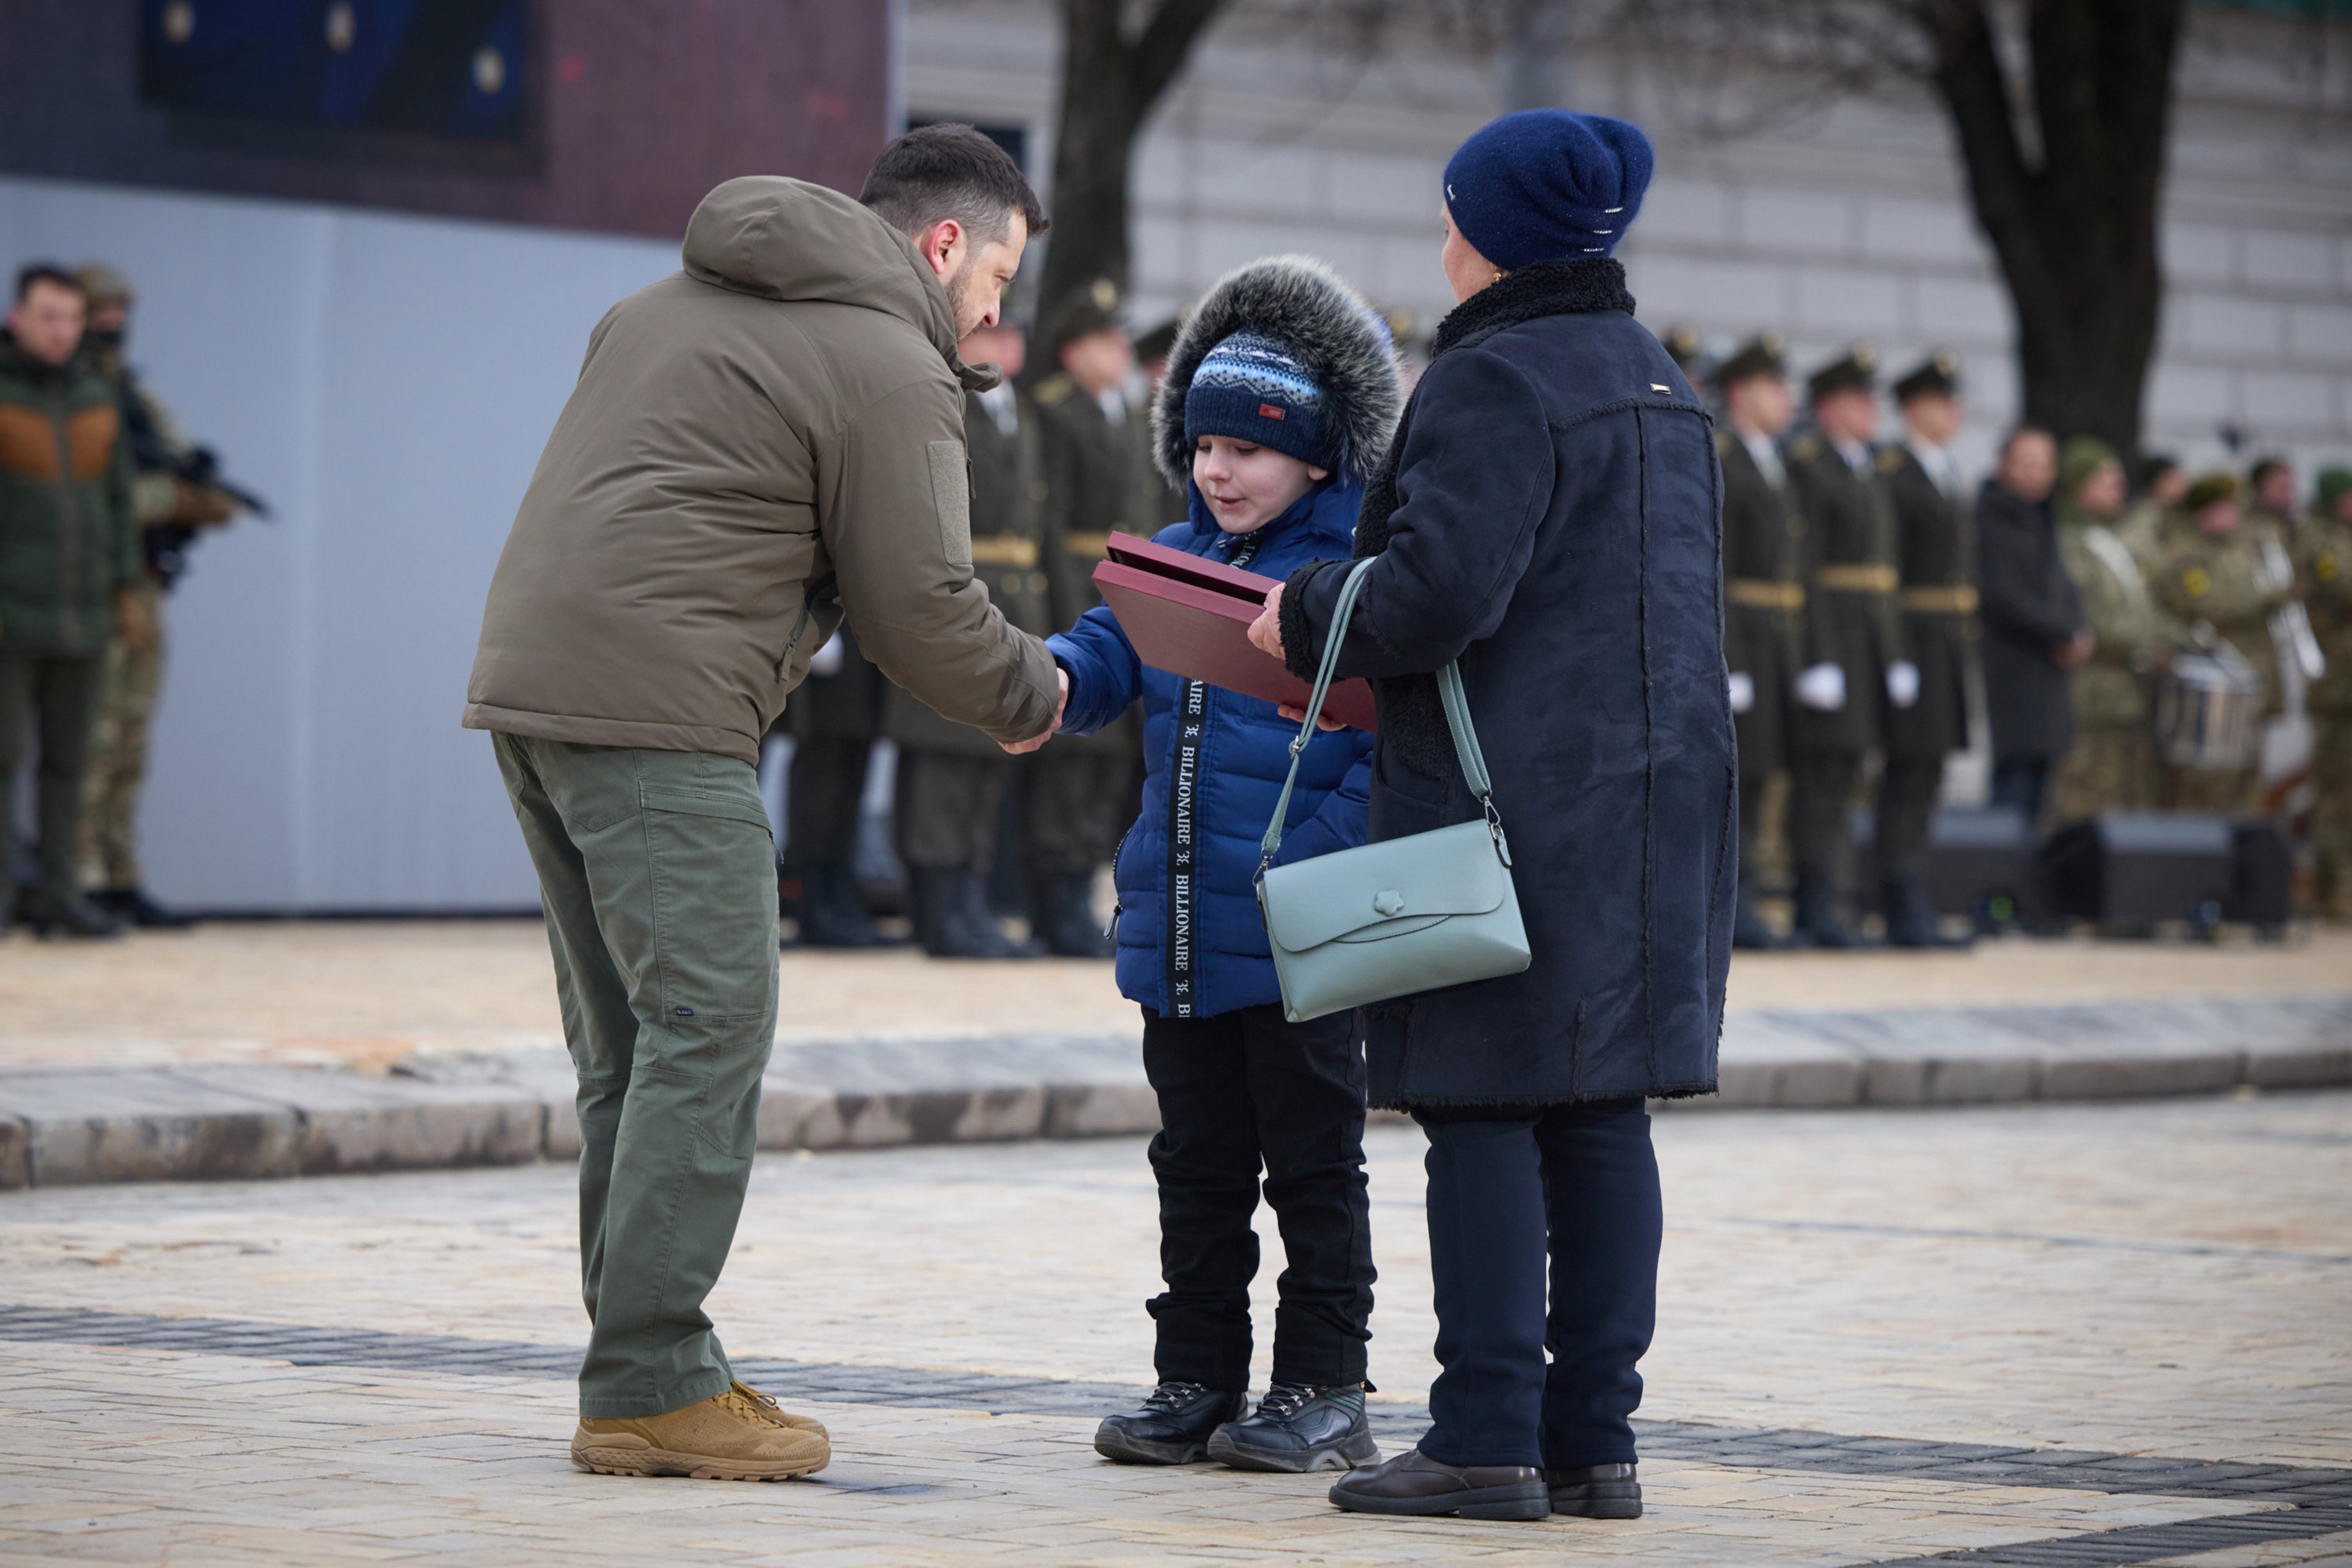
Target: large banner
x=601 y=114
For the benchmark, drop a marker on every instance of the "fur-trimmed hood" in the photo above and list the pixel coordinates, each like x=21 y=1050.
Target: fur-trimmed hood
x=1323 y=324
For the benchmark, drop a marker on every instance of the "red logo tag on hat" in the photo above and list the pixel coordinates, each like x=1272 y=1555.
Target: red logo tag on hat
x=1267 y=410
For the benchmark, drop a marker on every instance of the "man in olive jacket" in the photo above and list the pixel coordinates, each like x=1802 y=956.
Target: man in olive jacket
x=759 y=445
x=68 y=564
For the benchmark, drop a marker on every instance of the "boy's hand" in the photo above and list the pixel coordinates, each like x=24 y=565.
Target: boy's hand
x=1266 y=632
x=1062 y=701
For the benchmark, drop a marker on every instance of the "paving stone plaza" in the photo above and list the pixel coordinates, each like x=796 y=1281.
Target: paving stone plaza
x=2039 y=1329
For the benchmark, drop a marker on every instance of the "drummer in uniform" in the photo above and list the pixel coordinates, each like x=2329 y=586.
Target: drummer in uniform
x=1927 y=711
x=1764 y=597
x=2112 y=764
x=2218 y=574
x=1853 y=633
x=1096 y=447
x=952 y=778
x=2324 y=572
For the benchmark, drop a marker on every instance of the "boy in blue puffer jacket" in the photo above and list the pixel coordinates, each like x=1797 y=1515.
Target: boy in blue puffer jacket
x=1281 y=396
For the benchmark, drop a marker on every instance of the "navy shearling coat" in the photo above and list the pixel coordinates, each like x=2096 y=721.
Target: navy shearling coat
x=1551 y=515
x=1243 y=756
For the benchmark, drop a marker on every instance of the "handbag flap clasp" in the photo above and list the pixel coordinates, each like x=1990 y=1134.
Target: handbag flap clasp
x=1453 y=871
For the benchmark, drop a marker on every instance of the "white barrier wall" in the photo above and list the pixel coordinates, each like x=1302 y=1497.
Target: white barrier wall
x=386 y=382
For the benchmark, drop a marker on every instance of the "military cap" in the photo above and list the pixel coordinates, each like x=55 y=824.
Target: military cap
x=1937 y=375
x=104 y=285
x=1156 y=343
x=1086 y=310
x=1681 y=344
x=2218 y=486
x=1859 y=368
x=2080 y=458
x=1759 y=356
x=2333 y=483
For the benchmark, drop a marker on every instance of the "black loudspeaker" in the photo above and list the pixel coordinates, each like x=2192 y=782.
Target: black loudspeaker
x=1979 y=858
x=2142 y=866
x=2262 y=893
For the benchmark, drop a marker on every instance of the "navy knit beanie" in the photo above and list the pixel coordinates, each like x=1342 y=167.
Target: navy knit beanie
x=1545 y=183
x=1249 y=387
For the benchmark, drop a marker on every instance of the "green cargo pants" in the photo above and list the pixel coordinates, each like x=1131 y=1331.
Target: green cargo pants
x=658 y=872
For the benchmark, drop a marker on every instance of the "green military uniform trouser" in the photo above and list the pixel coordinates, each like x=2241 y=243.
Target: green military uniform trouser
x=1081 y=805
x=59 y=694
x=945 y=809
x=657 y=874
x=118 y=755
x=2331 y=822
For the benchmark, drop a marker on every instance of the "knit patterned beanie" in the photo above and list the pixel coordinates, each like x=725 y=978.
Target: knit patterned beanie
x=1248 y=387
x=1544 y=183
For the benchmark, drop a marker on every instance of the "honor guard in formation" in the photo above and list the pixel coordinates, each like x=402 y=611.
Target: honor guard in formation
x=2223 y=579
x=1764 y=597
x=2112 y=766
x=1854 y=662
x=2324 y=574
x=1927 y=711
x=833 y=720
x=951 y=776
x=1097 y=450
x=174 y=494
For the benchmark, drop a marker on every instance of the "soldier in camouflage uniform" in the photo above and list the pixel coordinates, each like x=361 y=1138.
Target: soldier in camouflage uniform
x=2217 y=573
x=168 y=510
x=2270 y=501
x=1096 y=449
x=951 y=776
x=1853 y=633
x=2324 y=572
x=2161 y=484
x=2112 y=766
x=1928 y=714
x=1764 y=597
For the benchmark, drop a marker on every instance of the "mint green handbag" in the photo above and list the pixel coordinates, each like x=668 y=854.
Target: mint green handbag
x=1402 y=916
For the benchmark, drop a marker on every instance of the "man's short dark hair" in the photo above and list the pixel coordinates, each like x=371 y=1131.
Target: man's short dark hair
x=2018 y=432
x=938 y=172
x=44 y=272
x=2264 y=469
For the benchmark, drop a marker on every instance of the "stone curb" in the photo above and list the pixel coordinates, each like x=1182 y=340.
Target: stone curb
x=74 y=1126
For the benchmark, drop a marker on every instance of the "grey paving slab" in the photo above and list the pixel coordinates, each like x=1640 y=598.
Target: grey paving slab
x=194 y=1122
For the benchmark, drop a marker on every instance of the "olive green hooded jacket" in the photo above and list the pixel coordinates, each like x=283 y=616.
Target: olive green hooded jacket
x=66 y=544
x=758 y=443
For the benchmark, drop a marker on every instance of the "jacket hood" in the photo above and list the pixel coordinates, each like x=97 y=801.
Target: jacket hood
x=788 y=240
x=1323 y=324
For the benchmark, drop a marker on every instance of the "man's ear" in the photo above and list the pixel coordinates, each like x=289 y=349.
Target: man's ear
x=942 y=246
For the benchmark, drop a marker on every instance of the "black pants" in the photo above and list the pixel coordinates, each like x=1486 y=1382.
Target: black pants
x=1510 y=1187
x=944 y=813
x=2020 y=782
x=1239 y=1091
x=1907 y=789
x=1821 y=792
x=828 y=782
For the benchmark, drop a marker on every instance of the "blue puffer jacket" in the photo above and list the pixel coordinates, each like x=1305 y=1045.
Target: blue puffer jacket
x=1244 y=752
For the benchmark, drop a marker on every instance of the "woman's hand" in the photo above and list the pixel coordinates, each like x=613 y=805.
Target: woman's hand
x=1295 y=714
x=1266 y=632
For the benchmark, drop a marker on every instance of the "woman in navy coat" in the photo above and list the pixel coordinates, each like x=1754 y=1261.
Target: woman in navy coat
x=1549 y=516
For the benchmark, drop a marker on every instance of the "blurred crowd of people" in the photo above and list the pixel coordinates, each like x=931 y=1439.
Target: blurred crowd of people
x=2133 y=638
x=101 y=496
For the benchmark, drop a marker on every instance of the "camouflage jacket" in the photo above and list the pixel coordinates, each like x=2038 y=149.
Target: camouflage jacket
x=2111 y=691
x=2324 y=572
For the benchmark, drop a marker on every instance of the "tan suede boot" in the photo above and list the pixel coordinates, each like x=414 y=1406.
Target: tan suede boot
x=739 y=1436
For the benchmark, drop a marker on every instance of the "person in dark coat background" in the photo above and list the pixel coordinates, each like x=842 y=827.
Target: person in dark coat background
x=1549 y=516
x=2034 y=631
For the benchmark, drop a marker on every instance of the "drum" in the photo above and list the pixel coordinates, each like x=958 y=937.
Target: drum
x=2209 y=710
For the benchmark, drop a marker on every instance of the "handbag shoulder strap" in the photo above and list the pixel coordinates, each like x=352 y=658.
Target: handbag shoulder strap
x=1457 y=720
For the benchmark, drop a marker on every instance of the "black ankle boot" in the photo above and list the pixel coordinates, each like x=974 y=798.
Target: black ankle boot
x=1817 y=917
x=1297 y=1428
x=833 y=914
x=1173 y=1427
x=133 y=907
x=1066 y=918
x=1596 y=1491
x=1750 y=929
x=1911 y=917
x=75 y=917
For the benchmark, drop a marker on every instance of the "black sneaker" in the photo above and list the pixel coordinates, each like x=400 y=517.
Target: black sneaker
x=1172 y=1428
x=1596 y=1491
x=1298 y=1428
